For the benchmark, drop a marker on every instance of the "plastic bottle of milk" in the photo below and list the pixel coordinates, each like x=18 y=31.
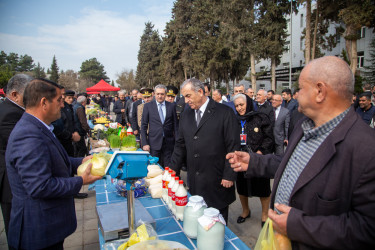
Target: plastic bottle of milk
x=181 y=200
x=164 y=181
x=211 y=230
x=170 y=185
x=167 y=180
x=174 y=189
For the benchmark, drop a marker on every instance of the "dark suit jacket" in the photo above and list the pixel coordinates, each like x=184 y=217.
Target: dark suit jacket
x=151 y=122
x=205 y=148
x=333 y=200
x=134 y=118
x=117 y=110
x=231 y=105
x=10 y=114
x=291 y=105
x=267 y=109
x=280 y=130
x=39 y=170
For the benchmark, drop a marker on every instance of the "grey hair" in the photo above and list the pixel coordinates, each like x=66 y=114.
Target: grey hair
x=81 y=99
x=239 y=85
x=18 y=83
x=122 y=92
x=161 y=86
x=196 y=85
x=241 y=96
x=263 y=91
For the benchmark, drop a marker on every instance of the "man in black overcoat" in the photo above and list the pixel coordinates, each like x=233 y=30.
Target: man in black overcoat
x=205 y=146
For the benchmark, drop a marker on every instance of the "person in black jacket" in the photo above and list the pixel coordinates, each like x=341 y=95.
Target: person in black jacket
x=256 y=136
x=11 y=111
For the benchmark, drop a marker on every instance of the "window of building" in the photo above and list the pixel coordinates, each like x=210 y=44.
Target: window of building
x=262 y=86
x=301 y=44
x=262 y=68
x=362 y=32
x=287 y=46
x=361 y=59
x=285 y=85
x=338 y=36
x=286 y=65
x=302 y=21
x=300 y=63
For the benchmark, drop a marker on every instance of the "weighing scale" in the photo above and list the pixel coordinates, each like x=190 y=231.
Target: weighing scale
x=116 y=220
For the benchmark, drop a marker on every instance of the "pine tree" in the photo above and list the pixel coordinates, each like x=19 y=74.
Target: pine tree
x=39 y=71
x=54 y=71
x=369 y=74
x=93 y=71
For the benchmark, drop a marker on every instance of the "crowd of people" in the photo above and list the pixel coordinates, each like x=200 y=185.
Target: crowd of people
x=308 y=141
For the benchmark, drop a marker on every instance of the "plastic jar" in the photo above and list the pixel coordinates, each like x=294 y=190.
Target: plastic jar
x=193 y=210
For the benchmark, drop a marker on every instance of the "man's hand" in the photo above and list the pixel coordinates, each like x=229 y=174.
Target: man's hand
x=87 y=177
x=76 y=137
x=122 y=110
x=135 y=132
x=226 y=184
x=86 y=158
x=146 y=148
x=259 y=152
x=238 y=160
x=280 y=220
x=286 y=142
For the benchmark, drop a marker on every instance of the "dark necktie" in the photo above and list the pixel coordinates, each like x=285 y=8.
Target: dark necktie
x=198 y=116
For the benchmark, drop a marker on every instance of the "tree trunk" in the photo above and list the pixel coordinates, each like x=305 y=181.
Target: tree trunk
x=351 y=46
x=273 y=74
x=185 y=72
x=252 y=74
x=315 y=30
x=227 y=84
x=308 y=32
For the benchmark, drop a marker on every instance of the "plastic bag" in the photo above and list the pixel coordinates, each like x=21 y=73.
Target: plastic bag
x=270 y=240
x=158 y=244
x=144 y=232
x=99 y=164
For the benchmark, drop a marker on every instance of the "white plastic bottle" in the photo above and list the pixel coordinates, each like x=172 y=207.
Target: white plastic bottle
x=193 y=210
x=129 y=131
x=170 y=185
x=181 y=200
x=174 y=189
x=165 y=190
x=211 y=230
x=163 y=182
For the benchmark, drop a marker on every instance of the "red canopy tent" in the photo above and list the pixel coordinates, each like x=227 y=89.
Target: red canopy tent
x=102 y=86
x=2 y=92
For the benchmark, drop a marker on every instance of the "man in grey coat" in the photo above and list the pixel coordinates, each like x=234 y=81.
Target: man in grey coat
x=282 y=119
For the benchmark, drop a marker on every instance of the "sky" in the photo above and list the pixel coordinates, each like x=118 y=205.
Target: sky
x=78 y=30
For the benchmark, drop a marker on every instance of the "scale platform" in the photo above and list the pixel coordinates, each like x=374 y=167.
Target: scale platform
x=113 y=219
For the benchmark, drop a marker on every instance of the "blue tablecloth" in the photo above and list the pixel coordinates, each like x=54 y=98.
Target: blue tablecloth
x=167 y=227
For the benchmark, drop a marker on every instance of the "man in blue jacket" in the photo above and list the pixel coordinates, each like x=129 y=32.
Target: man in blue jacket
x=39 y=172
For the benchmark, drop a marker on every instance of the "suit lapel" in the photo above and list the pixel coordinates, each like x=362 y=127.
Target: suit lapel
x=210 y=109
x=324 y=153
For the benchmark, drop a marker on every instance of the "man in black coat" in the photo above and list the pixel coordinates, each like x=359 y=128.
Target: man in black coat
x=264 y=106
x=205 y=146
x=64 y=128
x=119 y=108
x=11 y=111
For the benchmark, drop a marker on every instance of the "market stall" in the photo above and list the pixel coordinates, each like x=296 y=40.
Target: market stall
x=102 y=86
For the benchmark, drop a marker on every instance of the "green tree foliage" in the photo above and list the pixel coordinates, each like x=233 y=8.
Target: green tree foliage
x=69 y=79
x=126 y=80
x=150 y=49
x=38 y=71
x=26 y=63
x=369 y=73
x=54 y=71
x=5 y=74
x=93 y=71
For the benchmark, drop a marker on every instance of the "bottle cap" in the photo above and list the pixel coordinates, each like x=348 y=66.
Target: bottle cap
x=173 y=174
x=211 y=212
x=170 y=171
x=196 y=199
x=177 y=178
x=180 y=182
x=167 y=168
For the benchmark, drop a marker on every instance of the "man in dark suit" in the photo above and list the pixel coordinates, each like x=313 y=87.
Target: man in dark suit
x=323 y=194
x=280 y=130
x=264 y=106
x=129 y=105
x=146 y=97
x=159 y=126
x=119 y=108
x=11 y=111
x=207 y=131
x=39 y=170
x=217 y=96
x=289 y=102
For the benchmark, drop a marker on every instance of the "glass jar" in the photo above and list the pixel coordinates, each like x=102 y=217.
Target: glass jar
x=193 y=210
x=211 y=230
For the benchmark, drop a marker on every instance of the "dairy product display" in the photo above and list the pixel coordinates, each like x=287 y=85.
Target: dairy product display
x=211 y=230
x=193 y=210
